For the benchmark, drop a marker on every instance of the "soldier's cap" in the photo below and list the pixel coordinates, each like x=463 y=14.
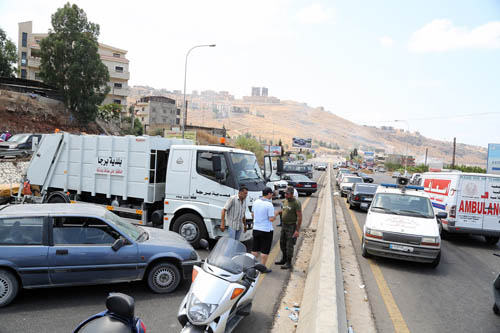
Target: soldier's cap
x=289 y=189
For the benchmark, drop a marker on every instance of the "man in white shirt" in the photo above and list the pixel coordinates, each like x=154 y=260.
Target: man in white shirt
x=263 y=217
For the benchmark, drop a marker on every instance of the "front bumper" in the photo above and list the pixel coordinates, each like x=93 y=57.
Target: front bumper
x=187 y=267
x=419 y=254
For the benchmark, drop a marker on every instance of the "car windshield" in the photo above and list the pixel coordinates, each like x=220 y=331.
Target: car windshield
x=299 y=178
x=403 y=204
x=274 y=177
x=366 y=189
x=352 y=180
x=127 y=228
x=230 y=255
x=246 y=167
x=18 y=138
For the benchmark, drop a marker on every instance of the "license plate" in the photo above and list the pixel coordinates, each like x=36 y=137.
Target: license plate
x=401 y=248
x=368 y=199
x=364 y=205
x=307 y=185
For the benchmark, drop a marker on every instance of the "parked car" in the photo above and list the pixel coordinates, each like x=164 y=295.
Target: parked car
x=321 y=167
x=346 y=184
x=278 y=185
x=396 y=174
x=361 y=195
x=301 y=183
x=340 y=173
x=401 y=224
x=366 y=178
x=18 y=145
x=49 y=245
x=380 y=169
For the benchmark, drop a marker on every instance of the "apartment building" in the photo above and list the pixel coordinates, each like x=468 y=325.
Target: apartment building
x=157 y=110
x=113 y=57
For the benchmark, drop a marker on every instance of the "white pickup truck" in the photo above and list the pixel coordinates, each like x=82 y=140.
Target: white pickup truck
x=164 y=182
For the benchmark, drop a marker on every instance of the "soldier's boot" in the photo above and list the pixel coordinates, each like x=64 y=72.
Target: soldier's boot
x=288 y=264
x=281 y=261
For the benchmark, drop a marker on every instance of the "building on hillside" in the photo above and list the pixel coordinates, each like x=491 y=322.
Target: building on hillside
x=157 y=110
x=114 y=59
x=265 y=92
x=255 y=91
x=400 y=159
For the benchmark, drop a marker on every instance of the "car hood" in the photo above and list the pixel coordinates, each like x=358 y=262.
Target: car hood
x=164 y=237
x=402 y=224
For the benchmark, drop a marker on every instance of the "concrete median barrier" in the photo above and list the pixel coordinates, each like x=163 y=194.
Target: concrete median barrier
x=323 y=305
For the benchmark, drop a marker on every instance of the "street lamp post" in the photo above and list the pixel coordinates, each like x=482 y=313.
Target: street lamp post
x=185 y=74
x=406 y=154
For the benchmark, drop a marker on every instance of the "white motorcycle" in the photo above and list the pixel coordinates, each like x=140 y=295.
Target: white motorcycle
x=222 y=291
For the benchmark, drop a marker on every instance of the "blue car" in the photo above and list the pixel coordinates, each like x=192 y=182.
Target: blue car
x=49 y=245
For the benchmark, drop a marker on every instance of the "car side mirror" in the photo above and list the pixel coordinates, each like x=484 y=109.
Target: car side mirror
x=204 y=244
x=219 y=176
x=441 y=215
x=216 y=163
x=261 y=268
x=118 y=244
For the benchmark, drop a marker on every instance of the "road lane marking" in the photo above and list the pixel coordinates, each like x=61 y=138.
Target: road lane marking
x=390 y=303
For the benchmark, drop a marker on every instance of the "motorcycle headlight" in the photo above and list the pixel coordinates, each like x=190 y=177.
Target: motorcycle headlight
x=199 y=311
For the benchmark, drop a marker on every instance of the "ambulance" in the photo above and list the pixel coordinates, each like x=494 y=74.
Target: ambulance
x=472 y=201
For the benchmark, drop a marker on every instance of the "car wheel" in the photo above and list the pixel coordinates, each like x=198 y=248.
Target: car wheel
x=163 y=278
x=364 y=252
x=436 y=261
x=496 y=310
x=491 y=240
x=191 y=227
x=8 y=287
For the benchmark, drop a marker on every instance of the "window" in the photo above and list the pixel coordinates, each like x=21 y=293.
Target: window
x=117 y=101
x=24 y=61
x=158 y=162
x=25 y=39
x=117 y=85
x=177 y=121
x=118 y=69
x=21 y=231
x=38 y=76
x=23 y=73
x=142 y=119
x=78 y=230
x=204 y=164
x=116 y=55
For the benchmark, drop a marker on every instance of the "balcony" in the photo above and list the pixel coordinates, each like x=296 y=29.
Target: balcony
x=118 y=91
x=33 y=62
x=119 y=75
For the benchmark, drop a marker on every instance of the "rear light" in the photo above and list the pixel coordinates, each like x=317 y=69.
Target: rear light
x=300 y=185
x=430 y=241
x=314 y=185
x=356 y=198
x=453 y=211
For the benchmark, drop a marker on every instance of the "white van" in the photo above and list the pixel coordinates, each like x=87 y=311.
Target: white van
x=472 y=201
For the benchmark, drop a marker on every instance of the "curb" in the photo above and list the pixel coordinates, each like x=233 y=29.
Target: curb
x=323 y=304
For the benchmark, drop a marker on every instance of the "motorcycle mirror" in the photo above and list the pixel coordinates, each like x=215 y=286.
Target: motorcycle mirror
x=261 y=268
x=121 y=304
x=204 y=244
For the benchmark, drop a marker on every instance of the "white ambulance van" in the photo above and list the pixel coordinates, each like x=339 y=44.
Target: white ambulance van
x=472 y=201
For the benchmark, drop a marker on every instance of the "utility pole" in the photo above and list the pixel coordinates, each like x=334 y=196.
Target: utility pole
x=454 y=151
x=426 y=152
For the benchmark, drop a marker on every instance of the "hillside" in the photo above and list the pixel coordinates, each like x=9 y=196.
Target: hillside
x=289 y=119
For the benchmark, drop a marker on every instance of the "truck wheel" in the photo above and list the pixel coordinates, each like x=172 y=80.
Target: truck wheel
x=364 y=252
x=8 y=287
x=436 y=261
x=163 y=278
x=491 y=240
x=57 y=197
x=191 y=227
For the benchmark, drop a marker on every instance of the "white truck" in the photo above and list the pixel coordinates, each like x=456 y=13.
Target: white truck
x=472 y=201
x=164 y=182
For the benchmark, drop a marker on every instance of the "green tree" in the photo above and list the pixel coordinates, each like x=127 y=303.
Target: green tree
x=8 y=55
x=70 y=62
x=252 y=145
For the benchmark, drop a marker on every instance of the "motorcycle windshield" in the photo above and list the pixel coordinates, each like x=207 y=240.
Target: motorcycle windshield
x=230 y=255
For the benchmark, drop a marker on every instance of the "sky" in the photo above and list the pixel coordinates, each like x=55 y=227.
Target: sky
x=432 y=64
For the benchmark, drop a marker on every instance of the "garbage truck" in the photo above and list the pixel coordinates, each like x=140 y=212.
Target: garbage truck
x=154 y=181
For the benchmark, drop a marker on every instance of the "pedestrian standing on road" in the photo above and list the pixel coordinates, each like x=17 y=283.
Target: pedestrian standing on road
x=296 y=196
x=292 y=220
x=234 y=213
x=263 y=216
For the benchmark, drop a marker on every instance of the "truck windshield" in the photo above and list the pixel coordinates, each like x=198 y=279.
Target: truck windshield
x=410 y=205
x=246 y=167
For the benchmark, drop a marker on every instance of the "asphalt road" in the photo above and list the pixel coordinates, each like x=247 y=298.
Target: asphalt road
x=456 y=296
x=61 y=309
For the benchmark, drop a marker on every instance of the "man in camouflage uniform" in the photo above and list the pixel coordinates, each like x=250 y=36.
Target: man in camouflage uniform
x=291 y=220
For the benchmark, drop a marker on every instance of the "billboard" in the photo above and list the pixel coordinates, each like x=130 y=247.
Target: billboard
x=189 y=135
x=272 y=150
x=302 y=143
x=493 y=161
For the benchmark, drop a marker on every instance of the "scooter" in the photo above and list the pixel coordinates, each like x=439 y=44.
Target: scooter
x=118 y=318
x=222 y=289
x=496 y=292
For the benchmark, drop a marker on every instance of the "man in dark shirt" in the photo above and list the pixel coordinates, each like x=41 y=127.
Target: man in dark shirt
x=291 y=220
